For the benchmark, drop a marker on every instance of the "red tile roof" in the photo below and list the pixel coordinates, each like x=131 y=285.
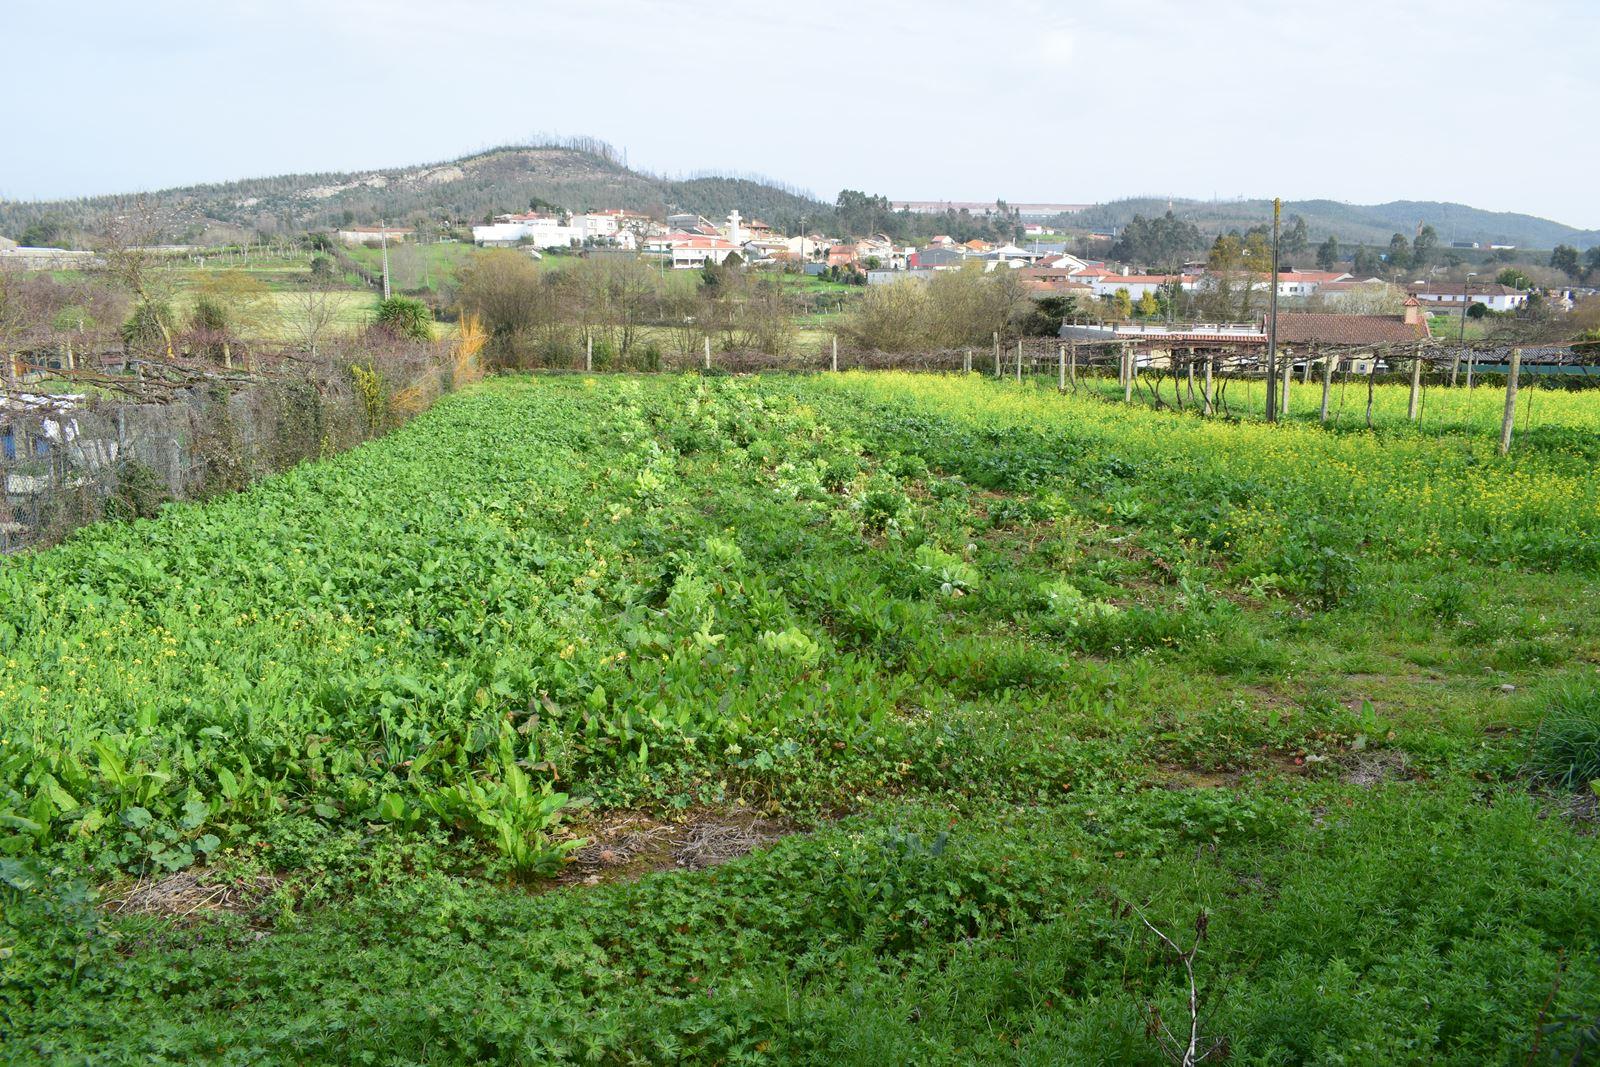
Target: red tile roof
x=1309 y=327
x=1318 y=276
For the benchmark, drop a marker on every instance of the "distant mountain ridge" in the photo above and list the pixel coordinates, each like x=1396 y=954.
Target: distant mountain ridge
x=1353 y=223
x=588 y=174
x=461 y=191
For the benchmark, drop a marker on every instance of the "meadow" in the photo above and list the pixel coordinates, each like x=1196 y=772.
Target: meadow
x=994 y=690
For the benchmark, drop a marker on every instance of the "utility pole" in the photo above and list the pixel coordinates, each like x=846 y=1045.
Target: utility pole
x=383 y=235
x=1272 y=318
x=1461 y=337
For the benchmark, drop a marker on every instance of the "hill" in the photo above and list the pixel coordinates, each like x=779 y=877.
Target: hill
x=586 y=173
x=1352 y=223
x=580 y=175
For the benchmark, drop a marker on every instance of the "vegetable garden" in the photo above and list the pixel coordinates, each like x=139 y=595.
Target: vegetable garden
x=1041 y=691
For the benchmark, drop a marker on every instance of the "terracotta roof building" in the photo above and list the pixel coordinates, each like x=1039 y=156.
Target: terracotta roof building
x=1313 y=327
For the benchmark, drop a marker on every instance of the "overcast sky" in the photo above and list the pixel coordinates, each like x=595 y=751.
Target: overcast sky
x=1487 y=103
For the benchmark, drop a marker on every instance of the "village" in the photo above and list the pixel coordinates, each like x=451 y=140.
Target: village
x=1319 y=306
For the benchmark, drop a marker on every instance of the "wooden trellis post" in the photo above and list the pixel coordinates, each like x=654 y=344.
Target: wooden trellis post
x=1061 y=369
x=1206 y=386
x=1327 y=385
x=1127 y=373
x=708 y=353
x=966 y=362
x=1414 y=408
x=836 y=353
x=1019 y=361
x=588 y=351
x=1470 y=355
x=1072 y=364
x=1509 y=419
x=997 y=355
x=1288 y=376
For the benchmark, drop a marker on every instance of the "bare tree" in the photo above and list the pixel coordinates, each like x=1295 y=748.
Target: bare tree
x=126 y=241
x=312 y=312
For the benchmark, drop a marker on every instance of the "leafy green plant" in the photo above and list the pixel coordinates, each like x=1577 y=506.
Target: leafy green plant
x=405 y=317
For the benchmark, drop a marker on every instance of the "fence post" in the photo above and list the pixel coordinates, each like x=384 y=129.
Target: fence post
x=836 y=352
x=966 y=362
x=1510 y=417
x=1327 y=385
x=1127 y=372
x=1019 y=361
x=588 y=351
x=1211 y=359
x=708 y=353
x=997 y=355
x=1414 y=408
x=1288 y=376
x=1061 y=369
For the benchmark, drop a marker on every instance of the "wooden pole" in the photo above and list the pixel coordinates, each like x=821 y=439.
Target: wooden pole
x=1327 y=385
x=1019 y=361
x=588 y=351
x=1206 y=393
x=1288 y=376
x=1189 y=367
x=966 y=362
x=1072 y=364
x=708 y=353
x=1414 y=408
x=997 y=354
x=1372 y=378
x=1272 y=317
x=1455 y=365
x=1127 y=373
x=1509 y=419
x=836 y=353
x=1061 y=369
x=1469 y=370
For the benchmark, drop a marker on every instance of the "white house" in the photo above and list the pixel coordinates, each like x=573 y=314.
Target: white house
x=1138 y=284
x=1302 y=283
x=1455 y=295
x=355 y=235
x=690 y=251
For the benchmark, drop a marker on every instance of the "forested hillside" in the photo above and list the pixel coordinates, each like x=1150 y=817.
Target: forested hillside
x=1350 y=223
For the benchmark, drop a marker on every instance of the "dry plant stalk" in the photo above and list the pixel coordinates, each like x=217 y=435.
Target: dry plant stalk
x=1184 y=1053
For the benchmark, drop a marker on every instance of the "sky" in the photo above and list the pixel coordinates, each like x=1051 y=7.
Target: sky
x=1485 y=103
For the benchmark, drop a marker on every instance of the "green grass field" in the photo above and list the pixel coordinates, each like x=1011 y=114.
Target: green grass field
x=423 y=753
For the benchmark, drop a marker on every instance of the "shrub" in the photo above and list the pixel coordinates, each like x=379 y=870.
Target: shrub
x=405 y=317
